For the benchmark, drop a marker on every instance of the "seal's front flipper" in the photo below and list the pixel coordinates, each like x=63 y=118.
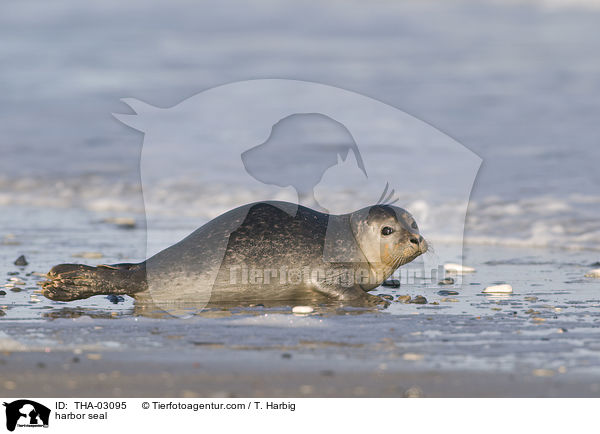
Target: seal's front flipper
x=353 y=296
x=368 y=300
x=67 y=282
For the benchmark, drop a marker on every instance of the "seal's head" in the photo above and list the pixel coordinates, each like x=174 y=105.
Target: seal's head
x=399 y=238
x=388 y=236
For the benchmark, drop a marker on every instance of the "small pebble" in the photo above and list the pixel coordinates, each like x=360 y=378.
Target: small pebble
x=419 y=299
x=449 y=300
x=445 y=292
x=413 y=357
x=94 y=356
x=531 y=298
x=561 y=330
x=115 y=299
x=88 y=255
x=446 y=281
x=302 y=309
x=498 y=289
x=403 y=298
x=458 y=268
x=543 y=372
x=286 y=356
x=21 y=261
x=391 y=283
x=2 y=292
x=532 y=312
x=594 y=273
x=538 y=319
x=122 y=222
x=386 y=296
x=306 y=389
x=413 y=392
x=2 y=313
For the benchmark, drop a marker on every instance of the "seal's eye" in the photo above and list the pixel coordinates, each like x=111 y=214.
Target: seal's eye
x=414 y=225
x=386 y=230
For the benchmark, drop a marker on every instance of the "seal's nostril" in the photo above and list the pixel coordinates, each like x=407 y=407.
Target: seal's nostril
x=414 y=241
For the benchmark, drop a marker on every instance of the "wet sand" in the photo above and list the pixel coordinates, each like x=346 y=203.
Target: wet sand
x=279 y=354
x=132 y=375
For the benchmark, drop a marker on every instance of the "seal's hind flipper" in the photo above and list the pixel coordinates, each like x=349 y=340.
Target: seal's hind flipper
x=67 y=282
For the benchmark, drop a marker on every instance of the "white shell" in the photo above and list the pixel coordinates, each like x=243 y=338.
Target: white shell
x=413 y=356
x=593 y=273
x=499 y=289
x=302 y=309
x=458 y=268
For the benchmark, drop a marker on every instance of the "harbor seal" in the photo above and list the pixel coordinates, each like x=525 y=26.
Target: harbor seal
x=273 y=253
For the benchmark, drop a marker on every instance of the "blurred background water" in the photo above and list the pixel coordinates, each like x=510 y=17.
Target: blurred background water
x=515 y=82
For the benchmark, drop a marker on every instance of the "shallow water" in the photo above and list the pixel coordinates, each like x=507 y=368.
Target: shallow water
x=557 y=331
x=515 y=82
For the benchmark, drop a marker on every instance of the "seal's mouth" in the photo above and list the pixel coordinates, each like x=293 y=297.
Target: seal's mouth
x=420 y=244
